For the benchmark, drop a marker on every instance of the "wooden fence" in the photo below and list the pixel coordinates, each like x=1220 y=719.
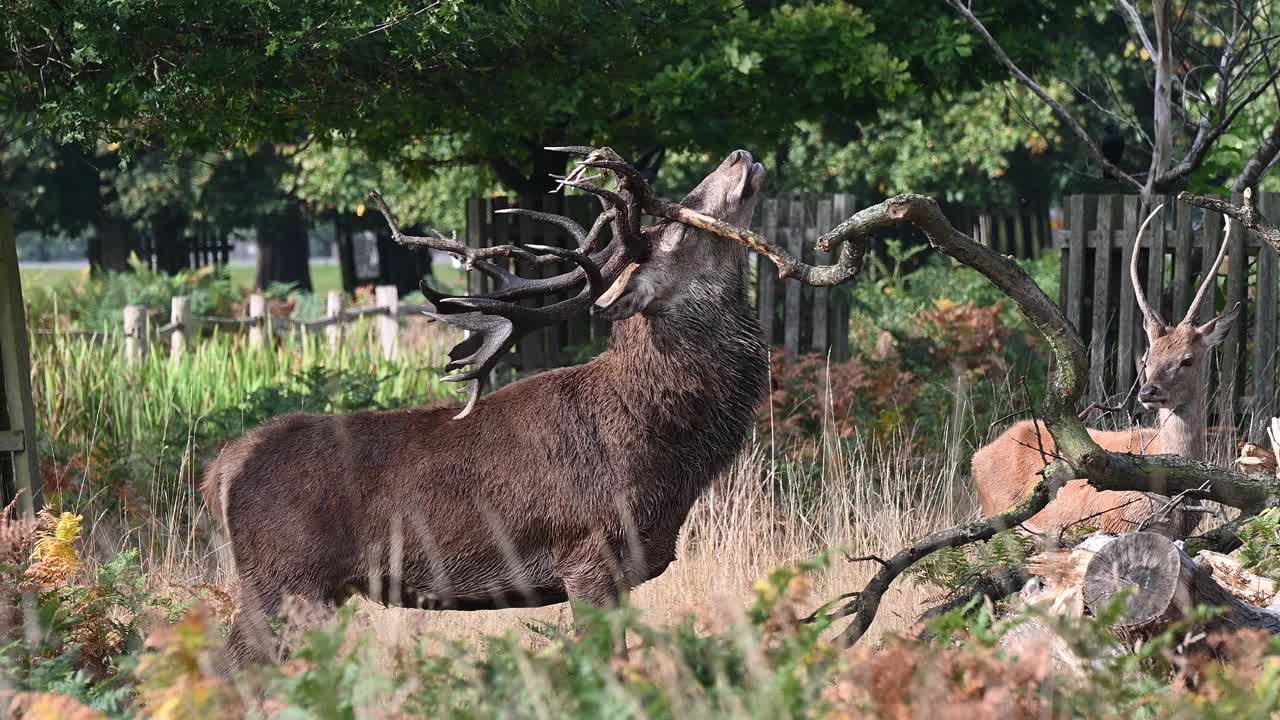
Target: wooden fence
x=19 y=469
x=796 y=317
x=1098 y=297
x=259 y=323
x=201 y=244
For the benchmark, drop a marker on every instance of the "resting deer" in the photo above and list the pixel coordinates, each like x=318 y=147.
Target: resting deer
x=572 y=483
x=1173 y=375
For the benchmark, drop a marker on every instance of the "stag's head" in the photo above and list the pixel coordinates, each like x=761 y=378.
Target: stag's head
x=682 y=261
x=1172 y=370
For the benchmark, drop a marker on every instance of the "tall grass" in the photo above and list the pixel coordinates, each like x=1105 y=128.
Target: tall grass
x=123 y=444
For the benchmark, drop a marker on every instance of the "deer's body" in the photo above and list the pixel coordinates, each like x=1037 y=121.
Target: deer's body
x=509 y=498
x=1006 y=470
x=573 y=483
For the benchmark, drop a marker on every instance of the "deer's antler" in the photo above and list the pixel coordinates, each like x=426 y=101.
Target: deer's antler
x=494 y=322
x=1151 y=314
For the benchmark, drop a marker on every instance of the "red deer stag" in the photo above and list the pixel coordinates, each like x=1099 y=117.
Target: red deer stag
x=1173 y=378
x=572 y=483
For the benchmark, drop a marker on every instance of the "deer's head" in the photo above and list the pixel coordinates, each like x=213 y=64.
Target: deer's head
x=682 y=260
x=1172 y=370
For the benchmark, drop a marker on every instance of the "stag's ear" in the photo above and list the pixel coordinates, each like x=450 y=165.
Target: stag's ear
x=1215 y=331
x=629 y=295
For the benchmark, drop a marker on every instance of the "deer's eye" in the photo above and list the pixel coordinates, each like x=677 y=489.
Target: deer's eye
x=1187 y=361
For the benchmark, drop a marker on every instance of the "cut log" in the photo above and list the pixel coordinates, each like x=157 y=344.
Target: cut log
x=1162 y=583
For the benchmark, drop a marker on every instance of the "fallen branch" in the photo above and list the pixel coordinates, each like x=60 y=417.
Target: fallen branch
x=864 y=606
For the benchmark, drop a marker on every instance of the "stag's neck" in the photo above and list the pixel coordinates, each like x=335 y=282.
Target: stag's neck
x=1181 y=431
x=688 y=379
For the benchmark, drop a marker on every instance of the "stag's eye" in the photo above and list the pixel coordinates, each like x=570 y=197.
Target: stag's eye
x=1187 y=361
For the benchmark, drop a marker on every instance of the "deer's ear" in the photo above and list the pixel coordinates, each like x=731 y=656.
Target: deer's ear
x=1215 y=331
x=629 y=295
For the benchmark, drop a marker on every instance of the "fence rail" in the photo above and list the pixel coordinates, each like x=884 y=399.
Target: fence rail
x=137 y=333
x=1098 y=296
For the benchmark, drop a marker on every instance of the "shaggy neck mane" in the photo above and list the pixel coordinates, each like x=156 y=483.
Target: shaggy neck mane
x=678 y=389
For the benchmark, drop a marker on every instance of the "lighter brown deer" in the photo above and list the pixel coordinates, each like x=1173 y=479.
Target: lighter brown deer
x=1173 y=383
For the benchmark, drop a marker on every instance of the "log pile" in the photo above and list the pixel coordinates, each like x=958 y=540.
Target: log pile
x=1155 y=583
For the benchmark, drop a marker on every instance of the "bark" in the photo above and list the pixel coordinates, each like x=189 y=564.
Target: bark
x=1162 y=111
x=172 y=252
x=112 y=244
x=283 y=252
x=866 y=603
x=1246 y=214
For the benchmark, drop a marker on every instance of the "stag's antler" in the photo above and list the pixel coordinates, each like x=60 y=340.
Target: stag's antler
x=1151 y=315
x=494 y=322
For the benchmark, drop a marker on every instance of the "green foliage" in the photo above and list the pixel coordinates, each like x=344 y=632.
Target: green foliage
x=142 y=433
x=1260 y=551
x=956 y=569
x=86 y=303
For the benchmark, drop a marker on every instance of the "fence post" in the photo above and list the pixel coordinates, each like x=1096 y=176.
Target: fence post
x=1264 y=329
x=767 y=274
x=135 y=334
x=791 y=295
x=17 y=410
x=387 y=296
x=1101 y=300
x=333 y=309
x=821 y=299
x=180 y=317
x=262 y=323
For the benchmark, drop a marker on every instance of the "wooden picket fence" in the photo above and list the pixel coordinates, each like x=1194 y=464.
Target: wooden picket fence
x=19 y=466
x=1098 y=297
x=797 y=318
x=184 y=327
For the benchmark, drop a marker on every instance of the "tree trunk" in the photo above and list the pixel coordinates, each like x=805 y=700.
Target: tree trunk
x=284 y=255
x=173 y=254
x=402 y=266
x=112 y=243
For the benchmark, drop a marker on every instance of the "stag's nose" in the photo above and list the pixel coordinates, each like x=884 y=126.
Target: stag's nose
x=1149 y=393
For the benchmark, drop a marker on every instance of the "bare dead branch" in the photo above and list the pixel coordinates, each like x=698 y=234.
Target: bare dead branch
x=1246 y=214
x=867 y=603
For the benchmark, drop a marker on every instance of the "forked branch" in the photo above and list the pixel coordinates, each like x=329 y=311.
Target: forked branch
x=1246 y=214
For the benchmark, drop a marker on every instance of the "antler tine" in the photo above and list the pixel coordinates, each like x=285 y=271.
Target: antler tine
x=564 y=223
x=571 y=149
x=1209 y=278
x=1148 y=312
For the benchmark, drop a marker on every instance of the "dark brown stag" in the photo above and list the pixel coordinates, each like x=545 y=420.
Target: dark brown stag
x=572 y=483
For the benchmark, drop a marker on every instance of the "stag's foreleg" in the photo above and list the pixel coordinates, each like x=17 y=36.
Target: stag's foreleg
x=592 y=575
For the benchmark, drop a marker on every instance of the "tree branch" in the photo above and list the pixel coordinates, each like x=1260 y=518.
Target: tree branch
x=1261 y=159
x=1247 y=215
x=1061 y=112
x=867 y=603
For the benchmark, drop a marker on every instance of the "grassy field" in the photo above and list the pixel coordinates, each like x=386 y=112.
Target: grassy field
x=324 y=276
